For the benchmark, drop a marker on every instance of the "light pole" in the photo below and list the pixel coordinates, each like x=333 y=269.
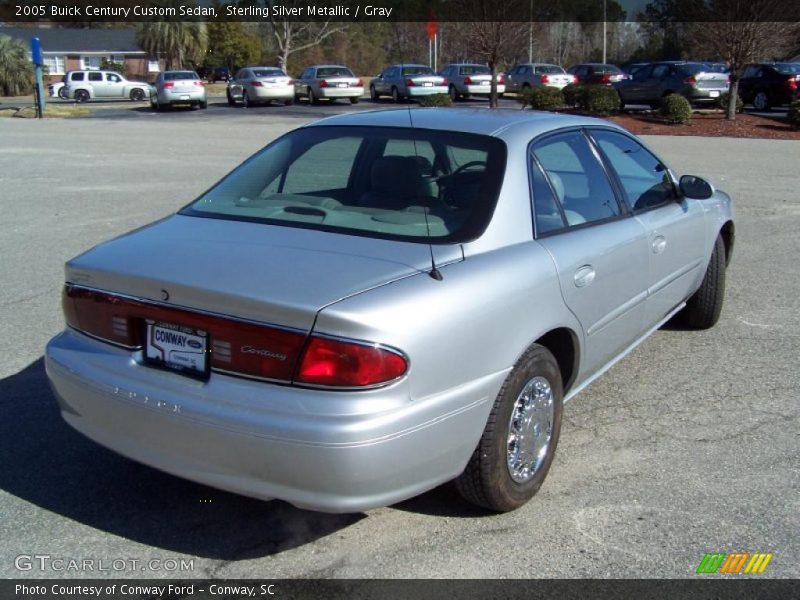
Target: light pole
x=530 y=34
x=604 y=32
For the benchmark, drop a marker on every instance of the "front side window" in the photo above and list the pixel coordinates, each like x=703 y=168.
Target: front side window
x=397 y=183
x=577 y=178
x=113 y=78
x=644 y=179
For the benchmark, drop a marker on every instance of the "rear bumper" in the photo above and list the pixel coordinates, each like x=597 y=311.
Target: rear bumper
x=705 y=94
x=348 y=92
x=266 y=93
x=182 y=97
x=417 y=91
x=482 y=90
x=327 y=451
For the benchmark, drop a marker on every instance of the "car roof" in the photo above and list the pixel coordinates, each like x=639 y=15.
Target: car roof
x=537 y=64
x=483 y=121
x=407 y=65
x=326 y=66
x=466 y=64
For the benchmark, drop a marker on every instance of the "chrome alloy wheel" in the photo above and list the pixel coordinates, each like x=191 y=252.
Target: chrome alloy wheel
x=530 y=430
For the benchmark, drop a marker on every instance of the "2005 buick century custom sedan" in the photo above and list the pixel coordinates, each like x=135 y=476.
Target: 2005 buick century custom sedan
x=378 y=303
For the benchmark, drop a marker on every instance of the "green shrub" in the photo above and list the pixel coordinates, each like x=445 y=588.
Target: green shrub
x=676 y=109
x=793 y=116
x=541 y=98
x=436 y=100
x=722 y=102
x=601 y=100
x=573 y=94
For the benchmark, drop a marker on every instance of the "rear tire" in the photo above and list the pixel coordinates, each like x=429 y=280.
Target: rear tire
x=704 y=307
x=62 y=93
x=518 y=444
x=312 y=97
x=288 y=102
x=354 y=100
x=373 y=94
x=231 y=101
x=245 y=100
x=453 y=93
x=396 y=97
x=81 y=96
x=204 y=105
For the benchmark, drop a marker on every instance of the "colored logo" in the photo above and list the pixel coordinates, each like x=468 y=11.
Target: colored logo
x=737 y=562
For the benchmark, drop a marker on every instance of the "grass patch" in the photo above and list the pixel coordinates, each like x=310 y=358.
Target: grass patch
x=51 y=111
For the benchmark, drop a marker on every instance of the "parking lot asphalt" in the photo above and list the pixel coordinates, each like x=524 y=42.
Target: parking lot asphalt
x=687 y=446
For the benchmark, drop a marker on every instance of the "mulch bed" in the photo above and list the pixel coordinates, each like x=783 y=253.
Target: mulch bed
x=709 y=125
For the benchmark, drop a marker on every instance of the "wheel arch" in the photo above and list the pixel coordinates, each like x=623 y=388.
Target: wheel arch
x=562 y=342
x=728 y=233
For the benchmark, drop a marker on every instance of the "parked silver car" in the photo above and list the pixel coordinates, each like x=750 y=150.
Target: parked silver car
x=471 y=79
x=406 y=81
x=697 y=82
x=83 y=86
x=366 y=309
x=178 y=87
x=257 y=85
x=329 y=82
x=531 y=75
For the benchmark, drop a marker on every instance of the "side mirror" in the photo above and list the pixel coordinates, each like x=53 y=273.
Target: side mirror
x=695 y=187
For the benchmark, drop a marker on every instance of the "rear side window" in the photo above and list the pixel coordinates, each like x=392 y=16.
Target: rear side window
x=577 y=178
x=95 y=76
x=76 y=77
x=644 y=179
x=396 y=183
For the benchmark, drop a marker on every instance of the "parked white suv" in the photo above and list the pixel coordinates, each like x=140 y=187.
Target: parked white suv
x=82 y=86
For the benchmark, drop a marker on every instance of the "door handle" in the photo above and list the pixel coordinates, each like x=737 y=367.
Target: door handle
x=659 y=244
x=584 y=276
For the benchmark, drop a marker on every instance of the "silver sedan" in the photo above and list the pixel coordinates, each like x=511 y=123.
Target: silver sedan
x=260 y=85
x=329 y=82
x=470 y=79
x=369 y=307
x=407 y=81
x=178 y=87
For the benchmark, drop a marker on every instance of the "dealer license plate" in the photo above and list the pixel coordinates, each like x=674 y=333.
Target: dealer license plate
x=714 y=94
x=185 y=97
x=343 y=85
x=427 y=84
x=178 y=348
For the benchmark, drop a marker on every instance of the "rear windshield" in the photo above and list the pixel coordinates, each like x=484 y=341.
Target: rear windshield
x=474 y=70
x=268 y=73
x=549 y=69
x=180 y=75
x=788 y=68
x=417 y=71
x=694 y=68
x=334 y=72
x=606 y=69
x=395 y=183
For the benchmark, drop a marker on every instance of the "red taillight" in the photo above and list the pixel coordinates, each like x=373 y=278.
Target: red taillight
x=410 y=82
x=329 y=362
x=237 y=347
x=467 y=80
x=360 y=83
x=323 y=83
x=501 y=79
x=691 y=80
x=575 y=79
x=169 y=84
x=445 y=81
x=606 y=78
x=792 y=82
x=291 y=82
x=545 y=79
x=257 y=84
x=200 y=83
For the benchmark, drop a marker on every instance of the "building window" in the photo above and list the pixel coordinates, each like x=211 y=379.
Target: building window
x=54 y=65
x=91 y=63
x=119 y=59
x=153 y=66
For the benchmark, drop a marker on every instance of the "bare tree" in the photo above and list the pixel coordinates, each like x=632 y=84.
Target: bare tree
x=293 y=36
x=743 y=32
x=491 y=34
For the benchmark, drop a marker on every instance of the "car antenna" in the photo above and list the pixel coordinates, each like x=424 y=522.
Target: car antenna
x=434 y=272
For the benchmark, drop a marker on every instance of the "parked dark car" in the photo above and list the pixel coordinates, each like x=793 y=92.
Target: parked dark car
x=769 y=84
x=597 y=73
x=696 y=82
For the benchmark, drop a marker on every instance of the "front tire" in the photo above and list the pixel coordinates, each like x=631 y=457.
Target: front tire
x=761 y=102
x=137 y=95
x=373 y=94
x=518 y=444
x=704 y=307
x=246 y=100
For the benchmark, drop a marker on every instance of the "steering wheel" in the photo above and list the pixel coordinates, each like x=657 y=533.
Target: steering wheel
x=469 y=165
